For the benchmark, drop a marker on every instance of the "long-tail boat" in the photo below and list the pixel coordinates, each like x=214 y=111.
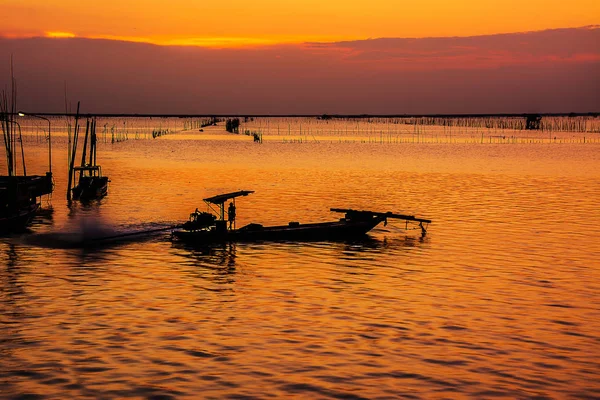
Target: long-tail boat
x=205 y=227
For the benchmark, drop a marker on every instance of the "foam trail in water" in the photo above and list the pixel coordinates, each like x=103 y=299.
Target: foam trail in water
x=77 y=233
x=93 y=231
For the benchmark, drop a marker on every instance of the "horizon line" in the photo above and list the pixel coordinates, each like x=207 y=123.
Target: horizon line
x=239 y=42
x=339 y=116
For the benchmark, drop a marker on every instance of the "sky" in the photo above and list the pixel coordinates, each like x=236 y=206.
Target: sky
x=242 y=22
x=292 y=57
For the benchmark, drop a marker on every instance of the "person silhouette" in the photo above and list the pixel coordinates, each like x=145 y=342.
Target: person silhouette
x=231 y=214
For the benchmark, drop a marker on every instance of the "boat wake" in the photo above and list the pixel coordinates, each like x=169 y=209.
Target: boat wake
x=90 y=232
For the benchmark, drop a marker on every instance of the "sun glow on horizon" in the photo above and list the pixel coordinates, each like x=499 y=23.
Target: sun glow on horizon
x=237 y=23
x=59 y=35
x=202 y=41
x=224 y=42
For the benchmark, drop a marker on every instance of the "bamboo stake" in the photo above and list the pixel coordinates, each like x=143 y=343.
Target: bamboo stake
x=84 y=151
x=73 y=153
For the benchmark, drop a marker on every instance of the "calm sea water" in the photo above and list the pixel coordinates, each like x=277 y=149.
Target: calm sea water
x=501 y=299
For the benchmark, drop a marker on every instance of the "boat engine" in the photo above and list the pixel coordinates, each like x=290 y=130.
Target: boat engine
x=199 y=220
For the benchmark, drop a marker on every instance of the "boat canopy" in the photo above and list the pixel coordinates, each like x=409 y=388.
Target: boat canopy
x=89 y=170
x=222 y=198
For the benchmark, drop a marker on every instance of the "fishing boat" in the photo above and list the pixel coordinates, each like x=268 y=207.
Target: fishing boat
x=19 y=200
x=17 y=206
x=91 y=185
x=205 y=227
x=19 y=194
x=17 y=219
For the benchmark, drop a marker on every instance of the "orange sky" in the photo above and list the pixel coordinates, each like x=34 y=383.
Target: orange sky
x=243 y=22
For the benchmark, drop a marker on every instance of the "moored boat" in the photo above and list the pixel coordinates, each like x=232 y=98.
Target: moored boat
x=18 y=200
x=91 y=185
x=17 y=220
x=19 y=194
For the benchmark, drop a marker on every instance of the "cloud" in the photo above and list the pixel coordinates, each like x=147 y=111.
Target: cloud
x=548 y=71
x=491 y=51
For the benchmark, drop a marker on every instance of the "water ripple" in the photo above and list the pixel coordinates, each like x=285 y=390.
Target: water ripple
x=499 y=299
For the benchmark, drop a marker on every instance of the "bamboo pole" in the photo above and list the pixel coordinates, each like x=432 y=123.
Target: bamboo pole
x=73 y=154
x=84 y=151
x=22 y=149
x=93 y=143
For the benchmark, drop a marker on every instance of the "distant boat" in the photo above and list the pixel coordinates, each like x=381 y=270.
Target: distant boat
x=203 y=227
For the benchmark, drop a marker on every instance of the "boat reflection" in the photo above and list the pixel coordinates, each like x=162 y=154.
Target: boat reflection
x=43 y=217
x=225 y=254
x=215 y=264
x=87 y=207
x=11 y=283
x=220 y=255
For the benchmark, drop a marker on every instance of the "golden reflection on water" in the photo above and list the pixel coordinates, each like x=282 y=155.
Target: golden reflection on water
x=499 y=299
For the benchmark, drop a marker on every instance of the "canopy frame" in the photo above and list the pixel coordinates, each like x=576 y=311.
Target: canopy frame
x=219 y=201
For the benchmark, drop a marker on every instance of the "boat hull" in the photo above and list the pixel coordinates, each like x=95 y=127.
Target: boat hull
x=339 y=230
x=17 y=220
x=18 y=200
x=91 y=188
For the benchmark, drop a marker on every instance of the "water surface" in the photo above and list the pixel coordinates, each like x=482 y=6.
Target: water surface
x=499 y=299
